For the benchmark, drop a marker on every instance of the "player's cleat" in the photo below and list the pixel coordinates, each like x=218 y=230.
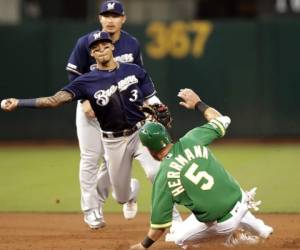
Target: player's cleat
x=130 y=210
x=263 y=231
x=94 y=219
x=265 y=234
x=241 y=237
x=252 y=204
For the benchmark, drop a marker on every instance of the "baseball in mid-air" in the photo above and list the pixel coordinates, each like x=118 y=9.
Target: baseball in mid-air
x=3 y=102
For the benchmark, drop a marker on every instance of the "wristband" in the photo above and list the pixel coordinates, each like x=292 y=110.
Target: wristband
x=147 y=242
x=27 y=103
x=201 y=106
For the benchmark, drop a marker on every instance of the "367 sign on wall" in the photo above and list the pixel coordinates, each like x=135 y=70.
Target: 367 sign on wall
x=178 y=39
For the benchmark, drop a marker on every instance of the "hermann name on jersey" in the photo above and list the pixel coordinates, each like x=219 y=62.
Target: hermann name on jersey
x=174 y=181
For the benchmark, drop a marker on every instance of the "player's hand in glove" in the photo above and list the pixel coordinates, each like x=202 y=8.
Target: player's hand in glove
x=137 y=247
x=252 y=204
x=158 y=112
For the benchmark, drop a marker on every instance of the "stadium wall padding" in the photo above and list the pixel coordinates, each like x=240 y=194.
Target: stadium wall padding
x=248 y=70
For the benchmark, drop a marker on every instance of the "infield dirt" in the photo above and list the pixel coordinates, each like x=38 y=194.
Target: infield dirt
x=25 y=231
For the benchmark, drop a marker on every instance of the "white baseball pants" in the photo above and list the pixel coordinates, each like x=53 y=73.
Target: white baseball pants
x=91 y=151
x=191 y=231
x=119 y=155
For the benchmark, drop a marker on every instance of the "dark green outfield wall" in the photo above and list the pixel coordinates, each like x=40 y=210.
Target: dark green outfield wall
x=247 y=69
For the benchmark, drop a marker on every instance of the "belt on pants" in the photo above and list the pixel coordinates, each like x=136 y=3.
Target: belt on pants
x=125 y=132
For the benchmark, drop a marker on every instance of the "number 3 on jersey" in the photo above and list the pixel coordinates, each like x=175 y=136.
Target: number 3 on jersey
x=134 y=97
x=196 y=178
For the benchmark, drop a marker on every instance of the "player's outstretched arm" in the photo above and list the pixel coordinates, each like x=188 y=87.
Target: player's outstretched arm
x=191 y=100
x=58 y=99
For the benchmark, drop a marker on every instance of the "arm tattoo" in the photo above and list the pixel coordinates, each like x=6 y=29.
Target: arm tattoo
x=60 y=98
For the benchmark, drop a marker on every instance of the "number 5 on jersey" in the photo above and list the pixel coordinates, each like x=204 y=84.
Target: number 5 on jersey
x=196 y=178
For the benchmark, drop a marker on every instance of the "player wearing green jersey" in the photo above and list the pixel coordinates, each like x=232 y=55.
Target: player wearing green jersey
x=190 y=175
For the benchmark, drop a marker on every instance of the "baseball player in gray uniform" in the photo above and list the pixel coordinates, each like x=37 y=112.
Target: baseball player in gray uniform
x=126 y=49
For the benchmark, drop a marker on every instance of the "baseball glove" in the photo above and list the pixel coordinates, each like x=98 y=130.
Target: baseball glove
x=158 y=112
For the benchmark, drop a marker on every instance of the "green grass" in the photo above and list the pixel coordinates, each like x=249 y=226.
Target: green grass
x=36 y=178
x=274 y=169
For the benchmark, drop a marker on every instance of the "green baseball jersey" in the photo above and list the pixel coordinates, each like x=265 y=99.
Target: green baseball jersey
x=190 y=175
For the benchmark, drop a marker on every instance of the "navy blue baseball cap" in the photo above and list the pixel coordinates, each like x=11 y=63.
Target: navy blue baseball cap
x=112 y=6
x=98 y=36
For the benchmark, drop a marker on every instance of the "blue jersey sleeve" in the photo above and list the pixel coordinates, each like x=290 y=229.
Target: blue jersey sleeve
x=138 y=59
x=72 y=76
x=76 y=88
x=79 y=59
x=146 y=84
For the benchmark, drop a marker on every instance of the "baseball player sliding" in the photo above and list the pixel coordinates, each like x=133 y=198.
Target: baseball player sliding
x=127 y=50
x=191 y=175
x=116 y=91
